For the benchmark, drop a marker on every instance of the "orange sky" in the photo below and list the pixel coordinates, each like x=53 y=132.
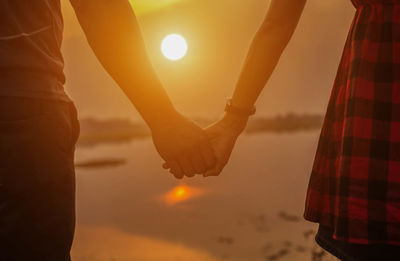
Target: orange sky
x=218 y=35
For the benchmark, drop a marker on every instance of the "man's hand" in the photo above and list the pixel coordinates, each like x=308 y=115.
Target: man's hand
x=120 y=48
x=184 y=146
x=223 y=135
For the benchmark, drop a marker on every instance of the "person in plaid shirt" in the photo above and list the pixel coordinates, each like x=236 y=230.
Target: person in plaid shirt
x=354 y=190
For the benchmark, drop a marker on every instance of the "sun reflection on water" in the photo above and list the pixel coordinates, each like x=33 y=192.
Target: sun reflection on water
x=180 y=194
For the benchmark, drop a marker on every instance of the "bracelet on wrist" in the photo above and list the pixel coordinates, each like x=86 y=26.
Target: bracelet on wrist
x=230 y=108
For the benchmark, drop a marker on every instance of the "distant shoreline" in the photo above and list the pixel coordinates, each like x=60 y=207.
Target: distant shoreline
x=95 y=131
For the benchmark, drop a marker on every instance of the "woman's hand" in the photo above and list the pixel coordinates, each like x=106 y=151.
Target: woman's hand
x=184 y=146
x=223 y=135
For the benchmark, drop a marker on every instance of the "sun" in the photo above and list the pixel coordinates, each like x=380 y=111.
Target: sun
x=174 y=47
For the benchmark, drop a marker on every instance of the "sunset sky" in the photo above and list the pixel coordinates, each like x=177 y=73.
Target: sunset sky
x=218 y=35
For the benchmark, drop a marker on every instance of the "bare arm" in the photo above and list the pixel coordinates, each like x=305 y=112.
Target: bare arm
x=113 y=33
x=263 y=56
x=266 y=49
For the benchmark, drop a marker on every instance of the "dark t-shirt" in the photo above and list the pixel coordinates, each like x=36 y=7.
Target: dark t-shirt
x=31 y=63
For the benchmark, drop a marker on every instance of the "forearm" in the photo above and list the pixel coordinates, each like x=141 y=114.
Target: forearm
x=114 y=35
x=266 y=50
x=261 y=61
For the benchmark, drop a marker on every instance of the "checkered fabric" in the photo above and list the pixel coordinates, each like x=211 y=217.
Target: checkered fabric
x=355 y=181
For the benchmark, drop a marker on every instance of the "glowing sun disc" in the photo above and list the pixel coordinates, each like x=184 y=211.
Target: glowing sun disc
x=174 y=47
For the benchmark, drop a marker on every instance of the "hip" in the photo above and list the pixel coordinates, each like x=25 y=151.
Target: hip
x=37 y=142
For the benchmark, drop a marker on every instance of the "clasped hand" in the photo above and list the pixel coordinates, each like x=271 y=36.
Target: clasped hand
x=189 y=150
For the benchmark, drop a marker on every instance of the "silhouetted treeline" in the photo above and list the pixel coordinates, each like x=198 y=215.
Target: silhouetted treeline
x=286 y=123
x=95 y=131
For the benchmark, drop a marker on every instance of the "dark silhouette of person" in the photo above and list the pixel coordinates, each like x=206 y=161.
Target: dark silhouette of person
x=354 y=189
x=39 y=125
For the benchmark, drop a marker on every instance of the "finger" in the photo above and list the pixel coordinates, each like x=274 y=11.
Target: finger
x=208 y=155
x=191 y=174
x=199 y=164
x=211 y=134
x=176 y=169
x=186 y=166
x=211 y=173
x=166 y=165
x=216 y=171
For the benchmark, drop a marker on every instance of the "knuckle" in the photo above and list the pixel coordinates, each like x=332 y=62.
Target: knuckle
x=178 y=176
x=202 y=170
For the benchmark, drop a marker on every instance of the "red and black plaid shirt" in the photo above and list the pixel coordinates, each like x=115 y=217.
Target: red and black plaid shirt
x=355 y=181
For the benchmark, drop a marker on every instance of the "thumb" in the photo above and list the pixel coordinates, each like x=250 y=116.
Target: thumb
x=213 y=172
x=166 y=165
x=211 y=133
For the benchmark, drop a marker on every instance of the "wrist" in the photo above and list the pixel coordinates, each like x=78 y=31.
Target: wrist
x=243 y=110
x=162 y=118
x=234 y=123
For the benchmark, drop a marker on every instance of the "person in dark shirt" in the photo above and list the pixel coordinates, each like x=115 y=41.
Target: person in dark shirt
x=39 y=126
